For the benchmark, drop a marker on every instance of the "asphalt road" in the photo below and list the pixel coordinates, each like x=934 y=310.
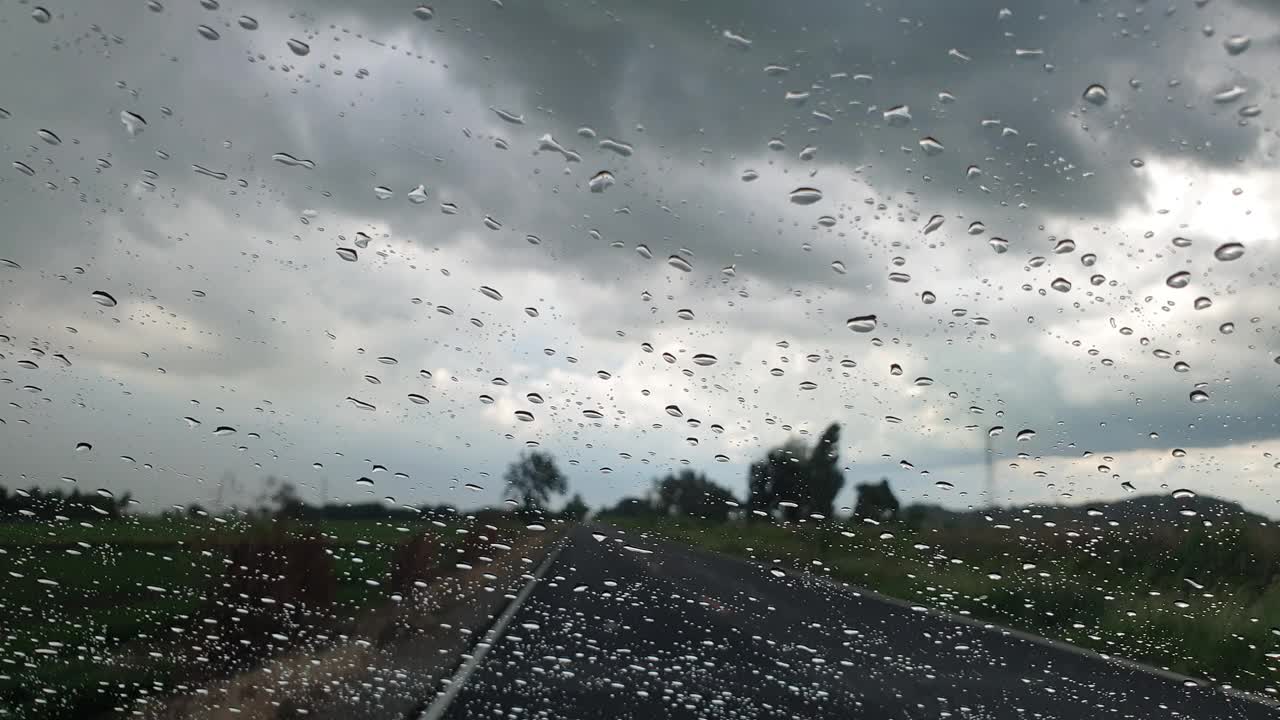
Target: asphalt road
x=678 y=633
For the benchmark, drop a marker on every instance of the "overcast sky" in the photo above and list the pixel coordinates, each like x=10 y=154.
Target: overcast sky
x=234 y=308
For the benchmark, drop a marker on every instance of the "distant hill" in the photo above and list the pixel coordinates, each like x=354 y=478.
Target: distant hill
x=1139 y=510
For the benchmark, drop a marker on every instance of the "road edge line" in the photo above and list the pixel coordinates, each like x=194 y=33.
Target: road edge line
x=438 y=706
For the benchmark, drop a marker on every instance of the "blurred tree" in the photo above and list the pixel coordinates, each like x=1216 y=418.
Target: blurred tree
x=534 y=478
x=826 y=479
x=781 y=482
x=631 y=507
x=287 y=501
x=692 y=493
x=576 y=508
x=876 y=501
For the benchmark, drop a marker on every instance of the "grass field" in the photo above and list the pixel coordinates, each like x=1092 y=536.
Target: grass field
x=1200 y=602
x=93 y=611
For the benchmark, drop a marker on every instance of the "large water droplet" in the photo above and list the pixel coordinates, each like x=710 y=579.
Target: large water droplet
x=862 y=323
x=1199 y=396
x=423 y=12
x=417 y=399
x=348 y=254
x=600 y=182
x=1236 y=44
x=1229 y=251
x=930 y=146
x=207 y=32
x=1025 y=435
x=1183 y=494
x=524 y=416
x=1095 y=94
x=1061 y=284
x=103 y=298
x=41 y=15
x=291 y=161
x=490 y=292
x=133 y=122
x=360 y=403
x=934 y=223
x=678 y=262
x=247 y=22
x=1178 y=280
x=1203 y=303
x=704 y=359
x=298 y=47
x=805 y=195
x=999 y=245
x=898 y=116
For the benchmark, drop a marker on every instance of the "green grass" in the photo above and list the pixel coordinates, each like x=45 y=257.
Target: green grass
x=85 y=591
x=1122 y=593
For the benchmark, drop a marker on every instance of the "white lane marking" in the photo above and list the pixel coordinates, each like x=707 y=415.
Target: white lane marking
x=437 y=708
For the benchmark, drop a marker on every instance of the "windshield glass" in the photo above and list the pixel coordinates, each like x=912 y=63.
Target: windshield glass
x=607 y=359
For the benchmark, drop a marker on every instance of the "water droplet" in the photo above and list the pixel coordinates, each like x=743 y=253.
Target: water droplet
x=348 y=254
x=202 y=170
x=1061 y=284
x=898 y=116
x=424 y=12
x=674 y=411
x=1096 y=94
x=805 y=196
x=749 y=175
x=418 y=195
x=1250 y=111
x=616 y=146
x=1199 y=396
x=976 y=228
x=298 y=47
x=928 y=298
x=1178 y=452
x=364 y=482
x=291 y=161
x=191 y=422
x=862 y=323
x=1227 y=328
x=1025 y=435
x=247 y=22
x=49 y=136
x=808 y=385
x=103 y=298
x=492 y=223
x=1229 y=95
x=207 y=32
x=490 y=292
x=839 y=267
x=1137 y=162
x=360 y=404
x=999 y=245
x=736 y=41
x=934 y=223
x=600 y=182
x=684 y=314
x=23 y=168
x=1182 y=494
x=1178 y=280
x=1229 y=251
x=417 y=399
x=931 y=146
x=899 y=277
x=133 y=122
x=826 y=221
x=524 y=416
x=1236 y=44
x=678 y=262
x=1064 y=246
x=1181 y=242
x=704 y=359
x=224 y=430
x=41 y=15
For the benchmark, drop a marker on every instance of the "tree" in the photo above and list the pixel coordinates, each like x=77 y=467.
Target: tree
x=826 y=479
x=576 y=508
x=692 y=493
x=534 y=478
x=876 y=501
x=780 y=481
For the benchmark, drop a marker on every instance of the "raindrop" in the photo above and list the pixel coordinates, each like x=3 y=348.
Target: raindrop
x=103 y=298
x=684 y=314
x=1229 y=95
x=418 y=195
x=382 y=192
x=931 y=146
x=617 y=147
x=364 y=482
x=247 y=22
x=1181 y=242
x=736 y=41
x=839 y=267
x=1203 y=303
x=1227 y=328
x=1095 y=94
x=23 y=168
x=291 y=161
x=1236 y=44
x=826 y=221
x=862 y=323
x=202 y=170
x=678 y=262
x=999 y=244
x=347 y=254
x=490 y=292
x=895 y=369
x=1064 y=246
x=749 y=175
x=1181 y=366
x=1229 y=251
x=49 y=136
x=492 y=223
x=360 y=404
x=207 y=32
x=133 y=123
x=976 y=228
x=417 y=399
x=524 y=416
x=423 y=12
x=924 y=381
x=1061 y=284
x=898 y=116
x=224 y=430
x=808 y=385
x=674 y=411
x=298 y=47
x=83 y=447
x=928 y=298
x=1024 y=435
x=1182 y=494
x=704 y=359
x=1088 y=259
x=600 y=182
x=934 y=223
x=41 y=15
x=1178 y=280
x=488 y=400
x=805 y=196
x=1199 y=396
x=531 y=311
